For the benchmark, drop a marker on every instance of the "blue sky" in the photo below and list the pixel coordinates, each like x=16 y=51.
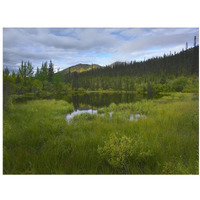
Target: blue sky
x=70 y=46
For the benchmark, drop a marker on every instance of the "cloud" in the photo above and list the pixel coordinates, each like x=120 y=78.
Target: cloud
x=69 y=46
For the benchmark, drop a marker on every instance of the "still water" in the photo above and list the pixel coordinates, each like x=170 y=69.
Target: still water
x=92 y=100
x=97 y=100
x=70 y=116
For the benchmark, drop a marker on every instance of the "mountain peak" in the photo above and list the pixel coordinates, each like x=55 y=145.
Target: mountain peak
x=80 y=68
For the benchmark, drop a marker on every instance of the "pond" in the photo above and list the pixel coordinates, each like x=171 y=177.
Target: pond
x=83 y=99
x=92 y=100
x=96 y=100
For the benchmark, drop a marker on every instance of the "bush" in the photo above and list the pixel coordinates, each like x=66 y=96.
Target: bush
x=117 y=151
x=179 y=84
x=112 y=106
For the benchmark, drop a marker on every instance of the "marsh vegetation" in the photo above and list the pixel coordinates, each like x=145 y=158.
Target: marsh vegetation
x=38 y=140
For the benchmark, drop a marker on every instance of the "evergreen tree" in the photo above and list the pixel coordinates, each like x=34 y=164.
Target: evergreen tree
x=44 y=73
x=26 y=70
x=6 y=72
x=150 y=91
x=37 y=74
x=51 y=71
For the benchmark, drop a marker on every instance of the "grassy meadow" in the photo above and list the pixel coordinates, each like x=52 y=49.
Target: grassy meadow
x=38 y=140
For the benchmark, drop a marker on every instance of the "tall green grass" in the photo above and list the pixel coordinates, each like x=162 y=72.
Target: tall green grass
x=38 y=140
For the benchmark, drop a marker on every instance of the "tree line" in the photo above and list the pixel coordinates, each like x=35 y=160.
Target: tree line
x=25 y=82
x=127 y=76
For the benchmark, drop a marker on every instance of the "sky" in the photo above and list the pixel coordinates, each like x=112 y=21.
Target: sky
x=103 y=46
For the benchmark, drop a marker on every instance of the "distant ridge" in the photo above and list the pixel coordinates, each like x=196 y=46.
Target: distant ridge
x=80 y=68
x=116 y=63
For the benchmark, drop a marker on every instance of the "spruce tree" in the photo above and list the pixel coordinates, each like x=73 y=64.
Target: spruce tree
x=51 y=71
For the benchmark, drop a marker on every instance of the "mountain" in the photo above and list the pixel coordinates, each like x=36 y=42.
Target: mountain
x=80 y=68
x=116 y=63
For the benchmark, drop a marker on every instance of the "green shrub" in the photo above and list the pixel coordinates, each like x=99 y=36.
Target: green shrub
x=179 y=84
x=112 y=106
x=117 y=151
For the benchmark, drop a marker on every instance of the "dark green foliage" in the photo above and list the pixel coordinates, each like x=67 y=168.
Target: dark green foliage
x=127 y=76
x=163 y=79
x=6 y=72
x=26 y=70
x=44 y=72
x=51 y=71
x=179 y=84
x=150 y=91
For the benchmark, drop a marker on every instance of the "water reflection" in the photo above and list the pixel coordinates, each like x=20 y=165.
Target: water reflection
x=70 y=116
x=93 y=100
x=96 y=100
x=135 y=117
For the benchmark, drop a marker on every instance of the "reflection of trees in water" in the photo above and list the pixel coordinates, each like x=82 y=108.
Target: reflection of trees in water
x=94 y=99
x=103 y=99
x=100 y=99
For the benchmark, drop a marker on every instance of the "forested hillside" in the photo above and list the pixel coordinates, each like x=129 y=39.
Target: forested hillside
x=128 y=76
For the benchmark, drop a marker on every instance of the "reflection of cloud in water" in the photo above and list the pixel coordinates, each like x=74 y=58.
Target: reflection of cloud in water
x=78 y=112
x=136 y=116
x=70 y=116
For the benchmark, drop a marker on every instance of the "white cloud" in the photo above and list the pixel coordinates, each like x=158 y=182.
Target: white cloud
x=90 y=45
